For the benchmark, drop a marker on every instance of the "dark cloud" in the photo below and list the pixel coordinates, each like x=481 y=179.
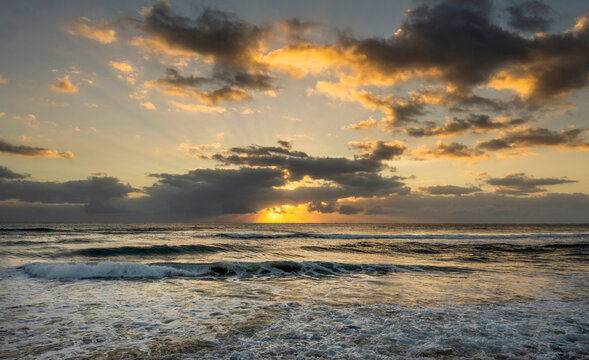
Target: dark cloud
x=174 y=83
x=379 y=150
x=476 y=208
x=209 y=192
x=230 y=41
x=457 y=101
x=456 y=126
x=231 y=44
x=32 y=151
x=96 y=193
x=399 y=111
x=285 y=143
x=457 y=42
x=237 y=78
x=449 y=190
x=299 y=166
x=480 y=208
x=6 y=173
x=257 y=150
x=452 y=150
x=258 y=81
x=174 y=78
x=334 y=178
x=531 y=15
x=268 y=176
x=225 y=93
x=322 y=207
x=530 y=137
x=521 y=184
x=457 y=38
x=349 y=210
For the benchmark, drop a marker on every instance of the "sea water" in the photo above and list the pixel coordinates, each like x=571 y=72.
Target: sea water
x=294 y=291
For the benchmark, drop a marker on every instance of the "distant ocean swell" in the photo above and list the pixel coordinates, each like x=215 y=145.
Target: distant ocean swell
x=361 y=247
x=396 y=236
x=116 y=270
x=198 y=232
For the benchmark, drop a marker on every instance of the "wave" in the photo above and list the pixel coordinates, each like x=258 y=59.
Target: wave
x=105 y=230
x=414 y=247
x=398 y=236
x=31 y=229
x=157 y=250
x=40 y=242
x=116 y=270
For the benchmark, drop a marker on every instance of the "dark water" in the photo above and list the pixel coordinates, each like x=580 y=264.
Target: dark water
x=294 y=291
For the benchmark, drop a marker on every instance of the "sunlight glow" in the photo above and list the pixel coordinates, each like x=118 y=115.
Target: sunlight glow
x=285 y=214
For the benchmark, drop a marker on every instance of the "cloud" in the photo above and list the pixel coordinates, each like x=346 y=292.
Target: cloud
x=479 y=208
x=379 y=150
x=520 y=138
x=32 y=151
x=225 y=93
x=451 y=150
x=97 y=193
x=229 y=41
x=254 y=81
x=326 y=178
x=175 y=84
x=64 y=85
x=197 y=107
x=448 y=190
x=208 y=192
x=6 y=173
x=457 y=45
x=287 y=144
x=174 y=79
x=148 y=105
x=263 y=183
x=521 y=184
x=232 y=46
x=99 y=33
x=271 y=176
x=399 y=111
x=349 y=210
x=322 y=207
x=531 y=15
x=3 y=80
x=256 y=150
x=121 y=66
x=456 y=126
x=363 y=125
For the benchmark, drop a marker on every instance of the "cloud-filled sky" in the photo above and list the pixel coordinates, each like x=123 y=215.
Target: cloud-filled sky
x=265 y=111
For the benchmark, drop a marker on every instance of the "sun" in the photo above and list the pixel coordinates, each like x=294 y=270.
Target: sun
x=284 y=214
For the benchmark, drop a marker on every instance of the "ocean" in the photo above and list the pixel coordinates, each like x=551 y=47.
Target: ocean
x=294 y=291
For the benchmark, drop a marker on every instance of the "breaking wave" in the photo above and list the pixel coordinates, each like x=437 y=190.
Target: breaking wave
x=116 y=270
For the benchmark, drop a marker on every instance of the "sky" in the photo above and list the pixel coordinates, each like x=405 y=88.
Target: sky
x=281 y=111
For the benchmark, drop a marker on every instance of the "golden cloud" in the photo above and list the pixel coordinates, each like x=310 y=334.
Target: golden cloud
x=98 y=33
x=64 y=85
x=197 y=107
